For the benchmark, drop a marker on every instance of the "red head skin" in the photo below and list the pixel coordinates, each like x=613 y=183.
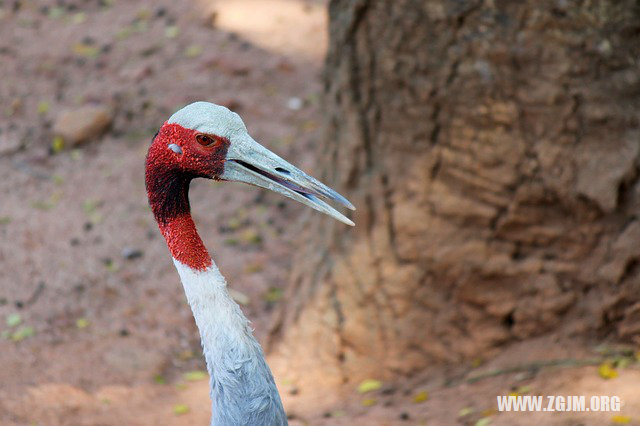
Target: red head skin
x=168 y=175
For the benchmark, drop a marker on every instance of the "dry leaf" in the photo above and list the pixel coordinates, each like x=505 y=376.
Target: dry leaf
x=606 y=371
x=369 y=385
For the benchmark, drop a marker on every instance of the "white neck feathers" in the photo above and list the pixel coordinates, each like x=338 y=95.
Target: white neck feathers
x=242 y=387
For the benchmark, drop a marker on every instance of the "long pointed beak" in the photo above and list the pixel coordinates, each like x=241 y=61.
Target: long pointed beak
x=248 y=161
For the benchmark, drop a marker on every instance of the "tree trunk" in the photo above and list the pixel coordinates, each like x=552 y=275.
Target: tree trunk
x=492 y=150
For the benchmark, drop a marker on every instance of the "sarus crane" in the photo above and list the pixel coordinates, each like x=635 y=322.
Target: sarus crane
x=204 y=140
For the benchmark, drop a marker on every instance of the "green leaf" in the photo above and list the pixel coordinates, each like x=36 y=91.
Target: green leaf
x=85 y=50
x=369 y=385
x=23 y=333
x=251 y=236
x=159 y=379
x=194 y=376
x=56 y=12
x=171 y=31
x=273 y=295
x=180 y=409
x=82 y=323
x=485 y=421
x=79 y=18
x=43 y=107
x=465 y=411
x=193 y=51
x=57 y=144
x=13 y=320
x=89 y=205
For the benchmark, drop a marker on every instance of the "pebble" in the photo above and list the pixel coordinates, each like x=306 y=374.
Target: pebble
x=294 y=104
x=82 y=124
x=130 y=253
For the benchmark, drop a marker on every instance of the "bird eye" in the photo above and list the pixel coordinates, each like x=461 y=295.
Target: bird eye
x=205 y=140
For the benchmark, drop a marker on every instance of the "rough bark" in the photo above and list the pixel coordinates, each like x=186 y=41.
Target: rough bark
x=492 y=149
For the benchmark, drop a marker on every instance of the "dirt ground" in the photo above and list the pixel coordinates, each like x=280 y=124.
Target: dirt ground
x=95 y=327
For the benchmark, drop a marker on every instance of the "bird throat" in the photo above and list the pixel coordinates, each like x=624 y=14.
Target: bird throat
x=168 y=192
x=185 y=244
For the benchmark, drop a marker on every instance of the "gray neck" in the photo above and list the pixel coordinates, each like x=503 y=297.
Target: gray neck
x=242 y=388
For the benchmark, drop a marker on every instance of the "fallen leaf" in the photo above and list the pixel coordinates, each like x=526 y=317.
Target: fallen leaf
x=79 y=18
x=171 y=31
x=488 y=412
x=251 y=236
x=606 y=371
x=186 y=355
x=368 y=402
x=180 y=409
x=159 y=379
x=82 y=323
x=252 y=268
x=111 y=266
x=56 y=12
x=42 y=205
x=485 y=421
x=23 y=333
x=465 y=411
x=369 y=385
x=13 y=320
x=231 y=241
x=85 y=50
x=124 y=33
x=57 y=144
x=421 y=397
x=90 y=205
x=273 y=294
x=476 y=362
x=194 y=376
x=622 y=362
x=618 y=419
x=234 y=223
x=144 y=14
x=140 y=26
x=43 y=107
x=193 y=51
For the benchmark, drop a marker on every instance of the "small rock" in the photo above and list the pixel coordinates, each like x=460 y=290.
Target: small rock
x=130 y=253
x=295 y=104
x=82 y=124
x=10 y=144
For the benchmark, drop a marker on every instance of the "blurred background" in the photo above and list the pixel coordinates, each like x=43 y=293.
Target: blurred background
x=492 y=150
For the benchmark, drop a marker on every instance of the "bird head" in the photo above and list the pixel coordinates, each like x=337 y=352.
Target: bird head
x=207 y=140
